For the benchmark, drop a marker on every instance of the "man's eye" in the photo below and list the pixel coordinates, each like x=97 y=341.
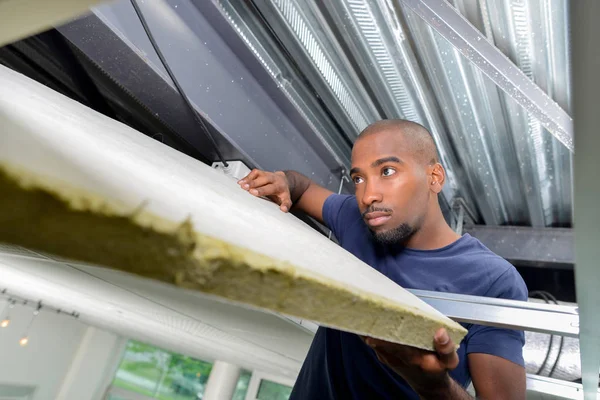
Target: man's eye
x=388 y=171
x=357 y=180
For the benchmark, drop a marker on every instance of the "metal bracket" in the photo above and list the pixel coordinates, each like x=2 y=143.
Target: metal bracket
x=234 y=169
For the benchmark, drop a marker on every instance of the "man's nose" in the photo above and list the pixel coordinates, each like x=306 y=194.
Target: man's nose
x=372 y=194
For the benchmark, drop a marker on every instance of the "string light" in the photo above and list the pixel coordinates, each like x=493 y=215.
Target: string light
x=12 y=301
x=6 y=321
x=24 y=341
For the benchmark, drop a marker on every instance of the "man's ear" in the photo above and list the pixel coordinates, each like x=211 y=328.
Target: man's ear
x=438 y=177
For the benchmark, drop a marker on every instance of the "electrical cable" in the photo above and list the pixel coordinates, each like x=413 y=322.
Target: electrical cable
x=185 y=98
x=562 y=339
x=548 y=297
x=547 y=300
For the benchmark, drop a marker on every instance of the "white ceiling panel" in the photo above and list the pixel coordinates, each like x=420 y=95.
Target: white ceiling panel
x=158 y=313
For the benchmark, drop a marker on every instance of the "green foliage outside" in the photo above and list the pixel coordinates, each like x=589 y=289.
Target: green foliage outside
x=163 y=375
x=160 y=374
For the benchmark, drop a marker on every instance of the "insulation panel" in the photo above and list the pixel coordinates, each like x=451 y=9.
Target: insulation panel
x=83 y=186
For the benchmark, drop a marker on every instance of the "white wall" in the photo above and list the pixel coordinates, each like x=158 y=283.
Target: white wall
x=59 y=346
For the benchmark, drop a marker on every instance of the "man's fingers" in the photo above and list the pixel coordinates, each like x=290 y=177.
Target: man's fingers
x=286 y=204
x=283 y=201
x=446 y=349
x=444 y=358
x=252 y=175
x=442 y=342
x=266 y=184
x=266 y=190
x=260 y=180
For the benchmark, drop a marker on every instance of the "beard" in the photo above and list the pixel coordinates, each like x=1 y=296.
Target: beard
x=395 y=236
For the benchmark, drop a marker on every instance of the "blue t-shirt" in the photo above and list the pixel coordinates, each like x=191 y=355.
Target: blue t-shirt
x=340 y=366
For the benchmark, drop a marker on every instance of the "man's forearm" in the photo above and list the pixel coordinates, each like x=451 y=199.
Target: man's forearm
x=298 y=184
x=446 y=390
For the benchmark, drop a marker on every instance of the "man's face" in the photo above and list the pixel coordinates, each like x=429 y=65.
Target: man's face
x=392 y=186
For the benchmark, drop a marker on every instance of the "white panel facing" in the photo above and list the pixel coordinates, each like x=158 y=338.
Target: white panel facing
x=262 y=329
x=161 y=314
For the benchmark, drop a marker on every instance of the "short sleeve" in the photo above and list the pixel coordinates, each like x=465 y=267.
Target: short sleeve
x=505 y=343
x=339 y=211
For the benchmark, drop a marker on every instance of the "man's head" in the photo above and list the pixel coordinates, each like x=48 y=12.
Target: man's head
x=397 y=177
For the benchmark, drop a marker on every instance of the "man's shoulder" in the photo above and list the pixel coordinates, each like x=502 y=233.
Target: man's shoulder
x=340 y=208
x=342 y=215
x=474 y=251
x=500 y=277
x=341 y=201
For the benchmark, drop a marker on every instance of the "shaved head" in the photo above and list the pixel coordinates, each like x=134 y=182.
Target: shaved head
x=397 y=178
x=415 y=137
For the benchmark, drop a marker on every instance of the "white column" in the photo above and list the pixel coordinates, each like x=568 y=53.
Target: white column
x=93 y=366
x=222 y=381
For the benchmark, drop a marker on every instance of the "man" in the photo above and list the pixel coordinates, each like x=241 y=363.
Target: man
x=394 y=223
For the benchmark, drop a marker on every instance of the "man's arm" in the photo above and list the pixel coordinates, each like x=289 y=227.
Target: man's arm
x=497 y=378
x=427 y=372
x=288 y=189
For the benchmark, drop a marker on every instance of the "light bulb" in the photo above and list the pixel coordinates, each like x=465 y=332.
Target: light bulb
x=24 y=340
x=5 y=323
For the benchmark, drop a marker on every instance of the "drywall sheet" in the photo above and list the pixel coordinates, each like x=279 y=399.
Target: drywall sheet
x=80 y=185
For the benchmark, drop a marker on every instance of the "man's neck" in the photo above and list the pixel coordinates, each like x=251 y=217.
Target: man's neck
x=433 y=234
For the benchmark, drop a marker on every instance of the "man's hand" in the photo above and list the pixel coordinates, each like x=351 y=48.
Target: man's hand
x=425 y=371
x=286 y=189
x=272 y=185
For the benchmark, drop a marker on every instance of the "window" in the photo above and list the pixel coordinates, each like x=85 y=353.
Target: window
x=147 y=372
x=273 y=391
x=264 y=386
x=150 y=373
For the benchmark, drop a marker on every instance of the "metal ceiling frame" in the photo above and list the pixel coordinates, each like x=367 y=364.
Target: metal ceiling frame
x=554 y=388
x=586 y=89
x=475 y=46
x=321 y=59
x=528 y=247
x=511 y=314
x=532 y=35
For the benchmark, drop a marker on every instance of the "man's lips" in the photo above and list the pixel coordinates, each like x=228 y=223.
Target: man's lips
x=377 y=218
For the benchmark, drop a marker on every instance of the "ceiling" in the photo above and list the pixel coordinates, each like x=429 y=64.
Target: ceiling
x=369 y=60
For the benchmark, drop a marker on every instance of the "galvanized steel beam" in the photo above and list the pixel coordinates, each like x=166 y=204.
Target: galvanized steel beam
x=512 y=314
x=531 y=247
x=474 y=45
